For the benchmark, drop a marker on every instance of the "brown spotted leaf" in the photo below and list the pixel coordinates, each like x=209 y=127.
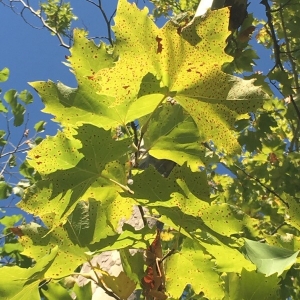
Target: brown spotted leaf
x=188 y=67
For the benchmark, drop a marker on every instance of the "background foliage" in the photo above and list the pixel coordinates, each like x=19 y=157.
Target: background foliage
x=176 y=122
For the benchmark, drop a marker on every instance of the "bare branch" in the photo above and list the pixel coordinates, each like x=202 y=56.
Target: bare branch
x=26 y=6
x=106 y=19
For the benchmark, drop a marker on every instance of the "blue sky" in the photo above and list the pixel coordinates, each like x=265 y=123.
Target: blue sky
x=34 y=55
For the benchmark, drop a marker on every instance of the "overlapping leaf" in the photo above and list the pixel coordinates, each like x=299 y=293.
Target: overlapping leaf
x=17 y=283
x=71 y=174
x=75 y=240
x=190 y=68
x=187 y=65
x=174 y=135
x=183 y=201
x=197 y=271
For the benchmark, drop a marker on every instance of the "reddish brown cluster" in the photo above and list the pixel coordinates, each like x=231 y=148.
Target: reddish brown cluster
x=17 y=231
x=154 y=280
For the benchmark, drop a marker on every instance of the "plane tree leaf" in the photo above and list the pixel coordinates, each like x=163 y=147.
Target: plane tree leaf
x=117 y=88
x=256 y=286
x=18 y=110
x=183 y=201
x=269 y=259
x=122 y=285
x=250 y=285
x=198 y=271
x=227 y=258
x=17 y=283
x=89 y=103
x=190 y=70
x=174 y=134
x=74 y=242
x=82 y=175
x=54 y=290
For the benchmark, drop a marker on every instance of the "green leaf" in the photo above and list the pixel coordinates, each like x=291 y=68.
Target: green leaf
x=269 y=259
x=4 y=74
x=17 y=283
x=193 y=79
x=182 y=200
x=133 y=265
x=227 y=259
x=10 y=221
x=5 y=190
x=89 y=172
x=2 y=107
x=2 y=140
x=26 y=97
x=250 y=285
x=122 y=285
x=83 y=292
x=12 y=247
x=198 y=270
x=18 y=110
x=177 y=138
x=40 y=126
x=109 y=93
x=54 y=291
x=37 y=241
x=256 y=286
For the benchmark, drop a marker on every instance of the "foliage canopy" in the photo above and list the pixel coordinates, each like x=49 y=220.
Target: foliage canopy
x=222 y=235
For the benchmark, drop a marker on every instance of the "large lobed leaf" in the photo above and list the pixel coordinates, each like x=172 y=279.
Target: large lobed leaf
x=88 y=164
x=148 y=65
x=17 y=283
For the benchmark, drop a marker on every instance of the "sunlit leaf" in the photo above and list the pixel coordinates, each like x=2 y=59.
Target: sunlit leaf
x=269 y=259
x=4 y=74
x=17 y=283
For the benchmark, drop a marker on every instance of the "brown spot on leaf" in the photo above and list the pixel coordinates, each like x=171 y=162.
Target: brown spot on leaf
x=159 y=44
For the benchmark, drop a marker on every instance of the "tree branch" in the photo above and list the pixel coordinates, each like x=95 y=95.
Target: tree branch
x=106 y=19
x=263 y=185
x=288 y=48
x=26 y=5
x=273 y=34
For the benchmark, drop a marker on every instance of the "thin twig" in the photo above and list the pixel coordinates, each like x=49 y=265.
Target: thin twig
x=39 y=16
x=295 y=106
x=263 y=185
x=273 y=34
x=288 y=48
x=106 y=19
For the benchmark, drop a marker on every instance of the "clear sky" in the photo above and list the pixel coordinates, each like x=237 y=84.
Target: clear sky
x=33 y=54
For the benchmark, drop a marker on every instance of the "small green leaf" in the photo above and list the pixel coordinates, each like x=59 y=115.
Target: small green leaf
x=2 y=107
x=54 y=291
x=83 y=292
x=4 y=74
x=122 y=285
x=40 y=126
x=12 y=247
x=26 y=170
x=10 y=221
x=2 y=140
x=269 y=259
x=5 y=190
x=18 y=110
x=26 y=97
x=133 y=265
